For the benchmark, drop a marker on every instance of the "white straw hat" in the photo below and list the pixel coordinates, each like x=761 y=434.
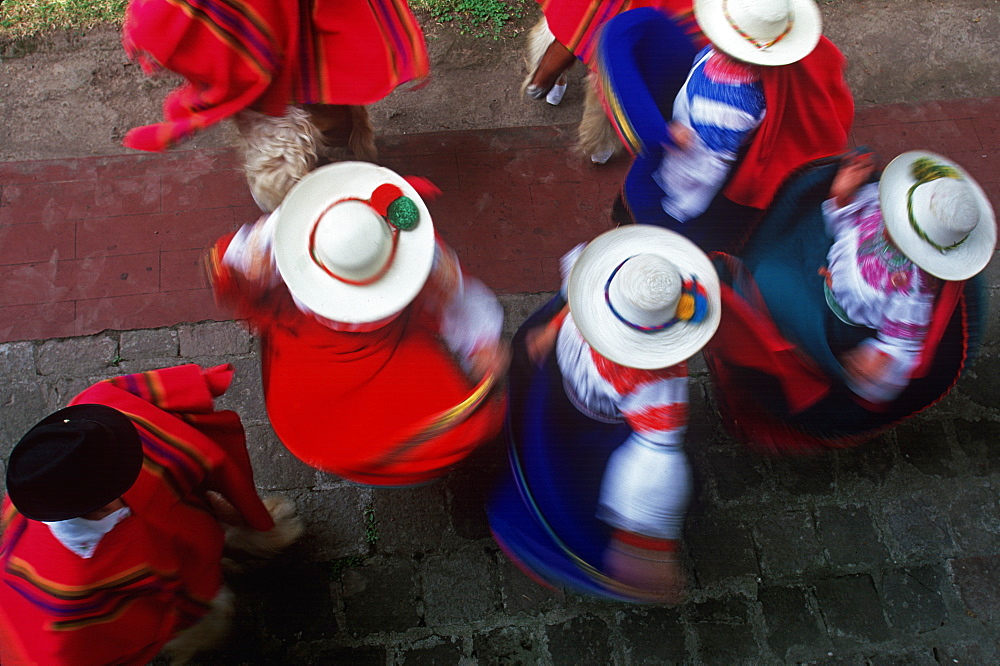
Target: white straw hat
x=765 y=32
x=338 y=246
x=644 y=296
x=937 y=215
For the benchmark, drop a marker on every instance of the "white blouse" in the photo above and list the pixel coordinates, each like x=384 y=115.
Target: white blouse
x=647 y=481
x=876 y=286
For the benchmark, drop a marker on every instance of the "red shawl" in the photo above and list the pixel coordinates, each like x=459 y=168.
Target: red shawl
x=809 y=114
x=577 y=24
x=266 y=54
x=358 y=403
x=157 y=571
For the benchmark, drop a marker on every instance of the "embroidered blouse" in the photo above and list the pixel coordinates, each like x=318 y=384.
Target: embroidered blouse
x=722 y=101
x=873 y=284
x=469 y=315
x=647 y=481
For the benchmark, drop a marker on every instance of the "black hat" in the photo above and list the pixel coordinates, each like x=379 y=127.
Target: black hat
x=72 y=462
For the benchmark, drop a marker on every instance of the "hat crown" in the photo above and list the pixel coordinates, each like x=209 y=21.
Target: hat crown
x=762 y=20
x=645 y=290
x=946 y=210
x=352 y=240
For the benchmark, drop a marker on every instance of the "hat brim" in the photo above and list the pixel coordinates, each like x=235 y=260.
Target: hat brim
x=114 y=479
x=959 y=263
x=327 y=296
x=796 y=45
x=617 y=341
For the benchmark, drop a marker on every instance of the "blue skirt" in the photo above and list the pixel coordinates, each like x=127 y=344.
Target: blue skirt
x=543 y=511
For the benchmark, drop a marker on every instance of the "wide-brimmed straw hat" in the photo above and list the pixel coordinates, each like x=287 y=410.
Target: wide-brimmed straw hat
x=937 y=215
x=354 y=242
x=644 y=296
x=72 y=462
x=765 y=32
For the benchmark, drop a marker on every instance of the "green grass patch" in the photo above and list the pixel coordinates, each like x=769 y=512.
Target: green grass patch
x=21 y=19
x=479 y=18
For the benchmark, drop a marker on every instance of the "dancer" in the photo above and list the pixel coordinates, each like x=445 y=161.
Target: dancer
x=843 y=318
x=767 y=96
x=380 y=356
x=296 y=76
x=598 y=483
x=114 y=521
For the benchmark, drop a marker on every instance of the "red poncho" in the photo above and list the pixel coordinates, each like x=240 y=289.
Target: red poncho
x=577 y=24
x=809 y=114
x=157 y=571
x=267 y=54
x=388 y=406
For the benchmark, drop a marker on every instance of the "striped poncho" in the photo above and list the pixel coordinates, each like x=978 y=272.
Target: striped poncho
x=156 y=572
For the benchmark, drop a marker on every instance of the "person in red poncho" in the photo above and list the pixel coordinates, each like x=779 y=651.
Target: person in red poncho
x=379 y=355
x=112 y=540
x=295 y=75
x=715 y=139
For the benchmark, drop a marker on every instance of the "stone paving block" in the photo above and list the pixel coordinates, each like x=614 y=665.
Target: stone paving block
x=467 y=493
x=76 y=357
x=145 y=365
x=793 y=629
x=978 y=581
x=274 y=467
x=787 y=543
x=148 y=343
x=297 y=599
x=317 y=653
x=910 y=658
x=444 y=654
x=458 y=588
x=17 y=361
x=246 y=392
x=979 y=652
x=723 y=631
x=849 y=536
x=411 y=519
x=924 y=444
x=978 y=441
x=518 y=307
x=913 y=601
x=217 y=338
x=983 y=380
x=735 y=474
x=916 y=529
x=333 y=520
x=521 y=594
x=871 y=462
x=380 y=596
x=24 y=404
x=975 y=520
x=851 y=609
x=806 y=475
x=720 y=546
x=509 y=645
x=580 y=640
x=653 y=635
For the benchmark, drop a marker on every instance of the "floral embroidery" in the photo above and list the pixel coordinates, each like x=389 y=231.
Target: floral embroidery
x=882 y=266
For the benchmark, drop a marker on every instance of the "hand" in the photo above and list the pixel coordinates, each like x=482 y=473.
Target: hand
x=540 y=341
x=493 y=359
x=866 y=365
x=646 y=575
x=855 y=170
x=682 y=135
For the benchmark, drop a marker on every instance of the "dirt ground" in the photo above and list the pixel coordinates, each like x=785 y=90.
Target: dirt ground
x=72 y=95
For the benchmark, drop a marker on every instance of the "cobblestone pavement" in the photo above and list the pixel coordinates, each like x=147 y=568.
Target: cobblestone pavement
x=884 y=554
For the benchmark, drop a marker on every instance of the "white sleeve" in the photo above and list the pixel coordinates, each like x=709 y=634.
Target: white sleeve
x=471 y=319
x=251 y=252
x=836 y=218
